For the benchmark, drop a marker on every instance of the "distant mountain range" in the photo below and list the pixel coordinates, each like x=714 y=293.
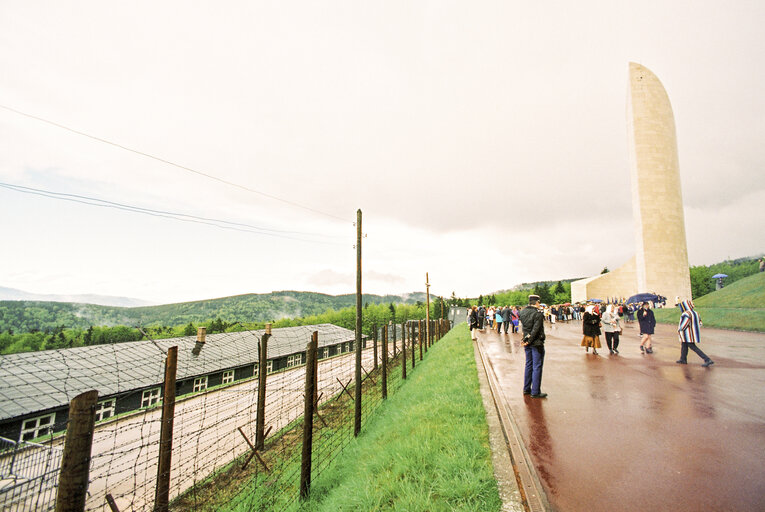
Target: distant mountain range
x=21 y=315
x=103 y=300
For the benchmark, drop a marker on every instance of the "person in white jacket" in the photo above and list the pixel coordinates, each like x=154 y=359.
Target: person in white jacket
x=612 y=327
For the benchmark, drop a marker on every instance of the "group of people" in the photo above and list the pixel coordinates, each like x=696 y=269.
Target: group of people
x=532 y=319
x=610 y=321
x=496 y=318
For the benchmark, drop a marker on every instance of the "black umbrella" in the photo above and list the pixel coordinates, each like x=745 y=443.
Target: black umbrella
x=643 y=297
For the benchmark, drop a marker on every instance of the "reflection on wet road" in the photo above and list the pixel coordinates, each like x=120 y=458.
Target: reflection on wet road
x=637 y=431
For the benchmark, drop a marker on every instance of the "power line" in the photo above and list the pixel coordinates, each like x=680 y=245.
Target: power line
x=218 y=223
x=168 y=162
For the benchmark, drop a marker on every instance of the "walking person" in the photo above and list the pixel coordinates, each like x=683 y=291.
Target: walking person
x=630 y=313
x=591 y=330
x=534 y=346
x=473 y=322
x=498 y=320
x=515 y=318
x=690 y=334
x=506 y=317
x=481 y=317
x=647 y=325
x=612 y=328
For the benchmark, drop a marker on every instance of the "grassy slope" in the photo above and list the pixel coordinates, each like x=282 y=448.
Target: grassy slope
x=426 y=448
x=738 y=306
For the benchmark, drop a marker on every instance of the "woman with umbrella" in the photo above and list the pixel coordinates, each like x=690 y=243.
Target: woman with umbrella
x=647 y=325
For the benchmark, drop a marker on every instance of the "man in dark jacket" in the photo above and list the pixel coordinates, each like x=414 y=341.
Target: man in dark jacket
x=481 y=316
x=506 y=317
x=534 y=345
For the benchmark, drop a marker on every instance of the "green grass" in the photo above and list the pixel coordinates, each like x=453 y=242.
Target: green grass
x=426 y=448
x=739 y=306
x=748 y=292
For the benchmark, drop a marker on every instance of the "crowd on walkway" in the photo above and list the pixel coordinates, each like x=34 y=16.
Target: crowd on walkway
x=596 y=318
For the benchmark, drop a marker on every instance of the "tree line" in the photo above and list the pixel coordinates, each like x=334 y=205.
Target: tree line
x=373 y=315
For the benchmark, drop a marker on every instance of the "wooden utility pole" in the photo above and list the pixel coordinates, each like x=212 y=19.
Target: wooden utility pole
x=162 y=495
x=75 y=462
x=260 y=419
x=357 y=415
x=427 y=311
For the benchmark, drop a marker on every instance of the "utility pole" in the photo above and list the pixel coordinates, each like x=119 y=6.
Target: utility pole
x=427 y=311
x=357 y=418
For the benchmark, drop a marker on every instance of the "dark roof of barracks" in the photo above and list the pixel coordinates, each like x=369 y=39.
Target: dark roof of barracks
x=38 y=381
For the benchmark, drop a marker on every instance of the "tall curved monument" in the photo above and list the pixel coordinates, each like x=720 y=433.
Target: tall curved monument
x=660 y=264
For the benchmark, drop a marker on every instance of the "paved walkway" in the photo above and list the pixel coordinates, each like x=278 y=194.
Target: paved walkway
x=637 y=431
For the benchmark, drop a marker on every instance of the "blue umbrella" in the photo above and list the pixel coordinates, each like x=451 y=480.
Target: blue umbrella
x=642 y=297
x=719 y=276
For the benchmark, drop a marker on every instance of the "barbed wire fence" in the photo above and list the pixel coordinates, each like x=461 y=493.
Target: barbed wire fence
x=231 y=434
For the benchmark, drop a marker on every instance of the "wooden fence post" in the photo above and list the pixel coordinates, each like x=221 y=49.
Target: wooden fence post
x=162 y=495
x=308 y=410
x=393 y=326
x=413 y=342
x=260 y=419
x=374 y=326
x=419 y=336
x=75 y=461
x=385 y=362
x=403 y=350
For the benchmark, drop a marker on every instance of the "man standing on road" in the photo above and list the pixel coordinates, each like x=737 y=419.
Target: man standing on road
x=534 y=345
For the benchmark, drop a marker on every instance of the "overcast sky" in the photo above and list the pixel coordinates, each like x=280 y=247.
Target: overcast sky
x=485 y=142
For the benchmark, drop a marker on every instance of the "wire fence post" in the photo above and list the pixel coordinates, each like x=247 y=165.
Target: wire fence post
x=357 y=411
x=260 y=419
x=393 y=326
x=419 y=336
x=374 y=328
x=413 y=341
x=162 y=495
x=427 y=312
x=75 y=462
x=310 y=392
x=385 y=362
x=403 y=350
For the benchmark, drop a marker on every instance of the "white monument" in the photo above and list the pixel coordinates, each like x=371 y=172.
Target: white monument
x=660 y=264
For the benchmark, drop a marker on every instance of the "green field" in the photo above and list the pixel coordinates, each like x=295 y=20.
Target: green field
x=739 y=306
x=426 y=448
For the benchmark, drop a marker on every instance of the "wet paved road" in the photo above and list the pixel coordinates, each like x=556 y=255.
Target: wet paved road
x=640 y=432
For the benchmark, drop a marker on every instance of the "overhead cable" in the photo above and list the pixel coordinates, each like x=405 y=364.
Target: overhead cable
x=169 y=162
x=219 y=223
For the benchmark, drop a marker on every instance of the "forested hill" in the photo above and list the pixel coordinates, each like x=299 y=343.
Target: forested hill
x=30 y=316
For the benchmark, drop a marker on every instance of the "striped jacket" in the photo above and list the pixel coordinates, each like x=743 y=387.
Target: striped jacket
x=690 y=321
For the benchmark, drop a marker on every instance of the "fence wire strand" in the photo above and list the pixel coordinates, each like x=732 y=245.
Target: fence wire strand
x=214 y=423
